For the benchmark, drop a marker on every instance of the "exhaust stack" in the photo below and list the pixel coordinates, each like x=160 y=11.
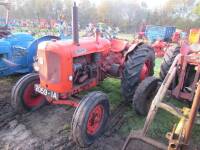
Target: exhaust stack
x=75 y=33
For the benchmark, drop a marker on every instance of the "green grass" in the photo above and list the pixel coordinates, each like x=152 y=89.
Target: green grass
x=158 y=62
x=163 y=122
x=111 y=87
x=128 y=37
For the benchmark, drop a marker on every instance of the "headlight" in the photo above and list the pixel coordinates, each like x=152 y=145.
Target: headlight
x=42 y=45
x=35 y=66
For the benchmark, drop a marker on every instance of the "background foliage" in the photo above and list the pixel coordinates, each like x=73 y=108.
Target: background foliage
x=128 y=15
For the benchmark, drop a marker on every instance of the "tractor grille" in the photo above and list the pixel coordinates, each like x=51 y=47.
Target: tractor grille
x=49 y=67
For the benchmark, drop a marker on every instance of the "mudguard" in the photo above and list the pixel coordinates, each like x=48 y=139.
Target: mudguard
x=118 y=45
x=132 y=48
x=21 y=56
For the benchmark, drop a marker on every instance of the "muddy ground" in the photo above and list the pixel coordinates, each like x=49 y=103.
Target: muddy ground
x=47 y=128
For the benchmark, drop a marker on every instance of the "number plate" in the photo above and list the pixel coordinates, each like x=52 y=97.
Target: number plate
x=45 y=92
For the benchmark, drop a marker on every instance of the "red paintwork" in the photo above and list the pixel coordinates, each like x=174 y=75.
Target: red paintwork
x=118 y=45
x=95 y=120
x=159 y=47
x=67 y=51
x=56 y=62
x=145 y=70
x=65 y=102
x=32 y=99
x=112 y=58
x=142 y=33
x=185 y=48
x=189 y=57
x=186 y=60
x=176 y=37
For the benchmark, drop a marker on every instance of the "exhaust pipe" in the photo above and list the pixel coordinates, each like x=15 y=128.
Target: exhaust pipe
x=75 y=33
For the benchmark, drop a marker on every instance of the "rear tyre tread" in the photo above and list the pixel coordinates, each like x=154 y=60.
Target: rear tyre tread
x=132 y=69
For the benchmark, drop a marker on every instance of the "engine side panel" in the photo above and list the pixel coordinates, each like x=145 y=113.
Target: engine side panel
x=67 y=52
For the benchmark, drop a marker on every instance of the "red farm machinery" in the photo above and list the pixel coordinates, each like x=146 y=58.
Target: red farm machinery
x=65 y=68
x=180 y=74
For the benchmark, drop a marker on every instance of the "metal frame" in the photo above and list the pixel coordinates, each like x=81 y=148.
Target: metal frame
x=177 y=92
x=181 y=133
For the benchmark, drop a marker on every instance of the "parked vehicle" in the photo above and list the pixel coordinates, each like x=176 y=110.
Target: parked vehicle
x=17 y=50
x=65 y=68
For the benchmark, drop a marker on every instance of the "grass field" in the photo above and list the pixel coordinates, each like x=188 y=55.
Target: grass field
x=126 y=36
x=163 y=122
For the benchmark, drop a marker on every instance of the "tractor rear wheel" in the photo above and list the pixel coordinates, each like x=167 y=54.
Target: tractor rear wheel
x=144 y=95
x=90 y=118
x=169 y=57
x=23 y=96
x=138 y=66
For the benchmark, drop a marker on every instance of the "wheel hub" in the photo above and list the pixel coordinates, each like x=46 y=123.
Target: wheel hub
x=31 y=98
x=95 y=120
x=145 y=70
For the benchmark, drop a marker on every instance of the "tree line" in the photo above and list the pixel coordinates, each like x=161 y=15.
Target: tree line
x=127 y=15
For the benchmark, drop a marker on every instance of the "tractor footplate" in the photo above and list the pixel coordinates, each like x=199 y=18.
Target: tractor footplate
x=137 y=141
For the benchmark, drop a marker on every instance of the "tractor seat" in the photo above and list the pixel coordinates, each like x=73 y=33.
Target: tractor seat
x=4 y=32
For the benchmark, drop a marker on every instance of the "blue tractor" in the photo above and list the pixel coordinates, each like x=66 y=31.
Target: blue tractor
x=17 y=50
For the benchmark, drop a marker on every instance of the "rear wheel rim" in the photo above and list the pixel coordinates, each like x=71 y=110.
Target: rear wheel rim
x=31 y=98
x=95 y=120
x=145 y=69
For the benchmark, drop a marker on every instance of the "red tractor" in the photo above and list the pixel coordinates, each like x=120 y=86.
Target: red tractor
x=180 y=75
x=65 y=68
x=184 y=82
x=161 y=46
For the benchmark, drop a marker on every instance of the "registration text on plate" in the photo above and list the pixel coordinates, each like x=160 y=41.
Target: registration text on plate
x=45 y=92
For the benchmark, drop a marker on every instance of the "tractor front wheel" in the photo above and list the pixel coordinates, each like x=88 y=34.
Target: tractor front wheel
x=24 y=97
x=90 y=118
x=138 y=66
x=144 y=95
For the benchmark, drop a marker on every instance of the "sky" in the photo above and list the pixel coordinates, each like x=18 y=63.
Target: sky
x=152 y=4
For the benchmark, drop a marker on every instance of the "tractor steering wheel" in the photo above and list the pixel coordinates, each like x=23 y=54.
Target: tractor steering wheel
x=4 y=31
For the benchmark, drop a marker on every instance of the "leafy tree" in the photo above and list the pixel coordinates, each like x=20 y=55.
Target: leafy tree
x=128 y=15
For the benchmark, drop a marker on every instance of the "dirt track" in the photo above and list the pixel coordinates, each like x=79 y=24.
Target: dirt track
x=47 y=128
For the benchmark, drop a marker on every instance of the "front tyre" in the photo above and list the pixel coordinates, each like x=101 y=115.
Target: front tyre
x=144 y=95
x=90 y=118
x=24 y=97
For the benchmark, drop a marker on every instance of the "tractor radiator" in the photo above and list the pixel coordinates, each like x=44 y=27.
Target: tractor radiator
x=49 y=64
